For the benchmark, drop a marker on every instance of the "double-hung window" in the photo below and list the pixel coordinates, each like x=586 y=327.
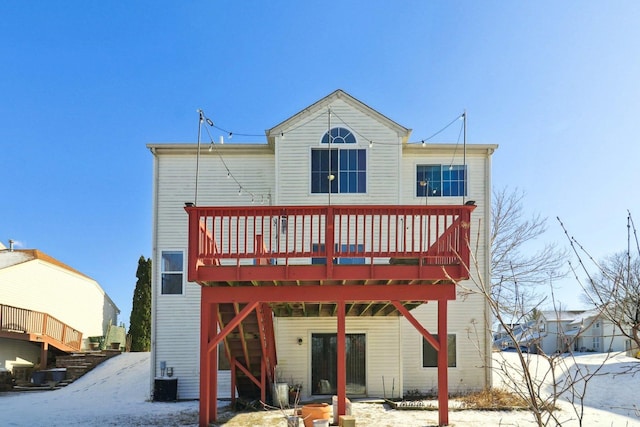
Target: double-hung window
x=441 y=180
x=172 y=272
x=338 y=168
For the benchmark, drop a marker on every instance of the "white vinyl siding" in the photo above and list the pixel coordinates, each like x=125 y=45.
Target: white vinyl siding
x=70 y=297
x=465 y=321
x=176 y=318
x=293 y=158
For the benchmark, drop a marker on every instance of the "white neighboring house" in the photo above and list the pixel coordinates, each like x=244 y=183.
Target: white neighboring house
x=385 y=169
x=35 y=286
x=525 y=335
x=580 y=331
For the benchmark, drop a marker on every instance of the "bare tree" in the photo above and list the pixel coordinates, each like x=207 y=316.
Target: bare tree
x=517 y=269
x=541 y=380
x=615 y=287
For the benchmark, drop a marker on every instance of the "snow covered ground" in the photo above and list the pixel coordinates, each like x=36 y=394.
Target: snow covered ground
x=117 y=393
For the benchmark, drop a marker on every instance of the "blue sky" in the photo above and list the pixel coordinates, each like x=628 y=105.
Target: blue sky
x=85 y=85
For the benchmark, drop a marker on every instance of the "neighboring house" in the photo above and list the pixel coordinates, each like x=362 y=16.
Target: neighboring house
x=47 y=305
x=366 y=160
x=580 y=331
x=526 y=335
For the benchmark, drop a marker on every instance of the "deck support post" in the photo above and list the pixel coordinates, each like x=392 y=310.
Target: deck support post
x=342 y=359
x=208 y=364
x=44 y=355
x=443 y=365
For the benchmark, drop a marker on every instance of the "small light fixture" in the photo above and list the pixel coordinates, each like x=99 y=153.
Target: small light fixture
x=470 y=203
x=189 y=204
x=299 y=341
x=331 y=177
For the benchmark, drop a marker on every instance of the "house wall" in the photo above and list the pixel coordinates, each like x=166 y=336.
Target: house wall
x=550 y=339
x=176 y=318
x=293 y=158
x=280 y=176
x=612 y=338
x=468 y=315
x=72 y=298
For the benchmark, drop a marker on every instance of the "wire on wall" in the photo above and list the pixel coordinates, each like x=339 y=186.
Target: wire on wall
x=212 y=147
x=261 y=197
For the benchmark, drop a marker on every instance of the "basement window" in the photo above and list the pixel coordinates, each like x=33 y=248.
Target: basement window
x=430 y=355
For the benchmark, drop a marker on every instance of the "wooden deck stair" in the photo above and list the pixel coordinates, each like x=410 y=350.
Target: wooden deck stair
x=250 y=348
x=78 y=364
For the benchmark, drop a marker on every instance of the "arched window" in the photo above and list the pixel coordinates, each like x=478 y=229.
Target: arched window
x=340 y=169
x=339 y=136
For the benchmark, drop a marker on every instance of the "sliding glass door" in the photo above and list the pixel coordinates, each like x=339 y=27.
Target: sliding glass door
x=324 y=367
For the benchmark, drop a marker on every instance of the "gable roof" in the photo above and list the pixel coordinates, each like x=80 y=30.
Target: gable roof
x=327 y=100
x=9 y=258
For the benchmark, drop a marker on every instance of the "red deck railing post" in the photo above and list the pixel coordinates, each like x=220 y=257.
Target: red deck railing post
x=329 y=239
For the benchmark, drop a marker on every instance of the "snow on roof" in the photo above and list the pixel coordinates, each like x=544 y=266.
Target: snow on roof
x=561 y=315
x=585 y=317
x=9 y=258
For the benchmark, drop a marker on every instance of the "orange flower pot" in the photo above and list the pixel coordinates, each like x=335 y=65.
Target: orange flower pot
x=315 y=411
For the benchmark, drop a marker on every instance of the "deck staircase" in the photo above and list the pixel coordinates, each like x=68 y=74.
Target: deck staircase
x=250 y=349
x=78 y=364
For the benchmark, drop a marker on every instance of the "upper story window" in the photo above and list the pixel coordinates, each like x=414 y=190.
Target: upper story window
x=441 y=180
x=339 y=136
x=339 y=169
x=172 y=272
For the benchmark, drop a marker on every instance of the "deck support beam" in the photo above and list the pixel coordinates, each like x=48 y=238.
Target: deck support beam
x=329 y=293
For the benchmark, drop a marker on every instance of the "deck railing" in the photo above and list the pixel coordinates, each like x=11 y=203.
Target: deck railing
x=21 y=320
x=429 y=235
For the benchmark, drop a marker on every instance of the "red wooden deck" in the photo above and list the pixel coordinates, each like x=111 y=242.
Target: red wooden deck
x=294 y=245
x=395 y=257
